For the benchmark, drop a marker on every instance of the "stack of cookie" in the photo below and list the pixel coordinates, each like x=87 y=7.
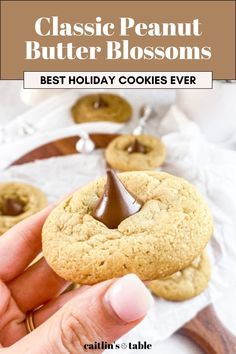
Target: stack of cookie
x=152 y=224
x=144 y=222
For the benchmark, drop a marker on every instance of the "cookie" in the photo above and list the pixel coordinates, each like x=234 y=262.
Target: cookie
x=171 y=229
x=101 y=107
x=149 y=154
x=186 y=283
x=17 y=202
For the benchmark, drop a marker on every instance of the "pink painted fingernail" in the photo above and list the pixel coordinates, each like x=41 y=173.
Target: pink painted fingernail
x=129 y=298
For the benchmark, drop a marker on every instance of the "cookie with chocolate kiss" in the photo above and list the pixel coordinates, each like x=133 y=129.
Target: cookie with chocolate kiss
x=101 y=107
x=134 y=153
x=168 y=227
x=17 y=202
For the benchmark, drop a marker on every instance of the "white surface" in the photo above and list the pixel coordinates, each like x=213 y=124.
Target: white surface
x=226 y=309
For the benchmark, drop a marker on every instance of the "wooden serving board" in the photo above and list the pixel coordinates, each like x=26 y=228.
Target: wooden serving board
x=63 y=147
x=205 y=329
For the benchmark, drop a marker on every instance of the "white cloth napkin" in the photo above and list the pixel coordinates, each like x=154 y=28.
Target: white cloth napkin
x=210 y=168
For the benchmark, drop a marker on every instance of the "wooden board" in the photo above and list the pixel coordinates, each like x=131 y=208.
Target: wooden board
x=63 y=147
x=205 y=329
x=209 y=333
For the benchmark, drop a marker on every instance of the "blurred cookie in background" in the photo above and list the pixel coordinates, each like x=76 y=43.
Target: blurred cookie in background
x=101 y=107
x=17 y=202
x=135 y=153
x=184 y=284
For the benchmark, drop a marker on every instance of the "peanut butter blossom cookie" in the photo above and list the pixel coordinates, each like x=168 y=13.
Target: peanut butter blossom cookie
x=17 y=202
x=148 y=223
x=134 y=153
x=186 y=283
x=101 y=107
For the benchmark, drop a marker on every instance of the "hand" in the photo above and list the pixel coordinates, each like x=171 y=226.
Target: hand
x=67 y=322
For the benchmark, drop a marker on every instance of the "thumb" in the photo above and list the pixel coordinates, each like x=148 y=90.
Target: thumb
x=103 y=313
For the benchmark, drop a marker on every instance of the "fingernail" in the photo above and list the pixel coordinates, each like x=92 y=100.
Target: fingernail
x=129 y=298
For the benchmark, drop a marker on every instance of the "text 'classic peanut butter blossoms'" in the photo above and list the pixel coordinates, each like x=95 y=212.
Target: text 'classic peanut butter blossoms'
x=169 y=228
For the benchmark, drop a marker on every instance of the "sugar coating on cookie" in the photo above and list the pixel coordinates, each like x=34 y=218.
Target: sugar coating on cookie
x=118 y=156
x=171 y=229
x=32 y=199
x=184 y=284
x=101 y=107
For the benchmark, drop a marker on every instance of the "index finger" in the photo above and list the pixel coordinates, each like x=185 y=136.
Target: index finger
x=21 y=244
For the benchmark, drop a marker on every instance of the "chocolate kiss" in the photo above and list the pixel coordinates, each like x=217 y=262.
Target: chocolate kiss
x=12 y=207
x=136 y=146
x=100 y=103
x=116 y=203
